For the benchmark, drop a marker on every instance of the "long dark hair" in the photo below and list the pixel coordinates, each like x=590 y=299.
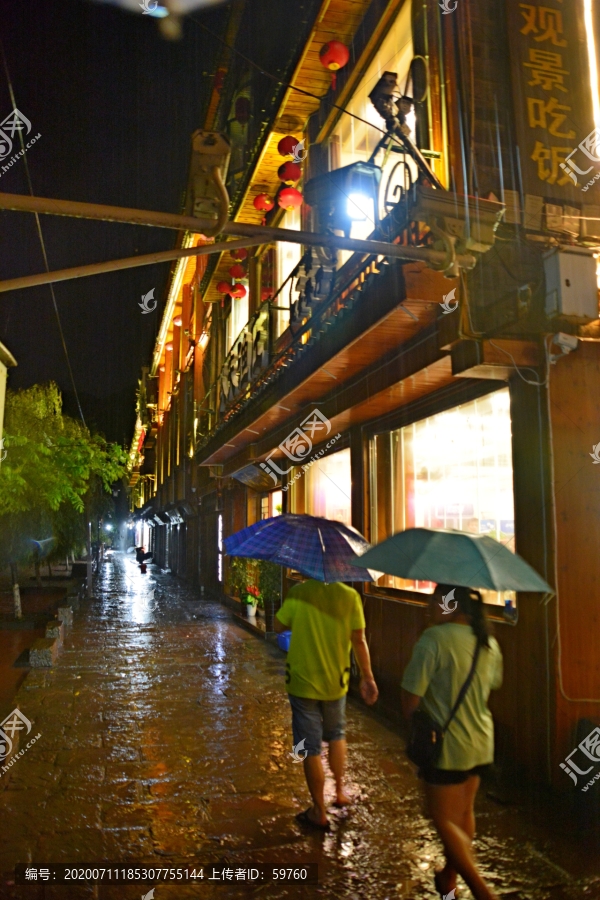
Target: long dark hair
x=470 y=603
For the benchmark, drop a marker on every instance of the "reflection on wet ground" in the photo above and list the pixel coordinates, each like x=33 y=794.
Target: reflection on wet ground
x=166 y=740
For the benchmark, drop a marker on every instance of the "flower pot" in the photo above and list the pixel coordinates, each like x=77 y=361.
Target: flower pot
x=251 y=610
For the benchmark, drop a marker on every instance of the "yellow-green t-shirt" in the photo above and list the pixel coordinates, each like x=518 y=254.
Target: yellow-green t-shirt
x=322 y=618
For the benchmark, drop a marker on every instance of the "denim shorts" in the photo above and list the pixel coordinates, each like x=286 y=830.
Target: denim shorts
x=314 y=721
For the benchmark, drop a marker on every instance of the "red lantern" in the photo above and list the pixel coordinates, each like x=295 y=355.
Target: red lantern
x=240 y=254
x=266 y=293
x=237 y=272
x=224 y=287
x=334 y=55
x=238 y=291
x=287 y=145
x=264 y=204
x=290 y=173
x=290 y=198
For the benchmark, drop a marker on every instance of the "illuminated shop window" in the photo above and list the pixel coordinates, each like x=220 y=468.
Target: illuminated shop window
x=325 y=489
x=452 y=470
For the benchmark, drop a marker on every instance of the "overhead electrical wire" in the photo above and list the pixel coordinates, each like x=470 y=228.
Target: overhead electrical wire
x=41 y=236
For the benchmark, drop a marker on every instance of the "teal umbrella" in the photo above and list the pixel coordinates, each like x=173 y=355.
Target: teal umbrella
x=452 y=557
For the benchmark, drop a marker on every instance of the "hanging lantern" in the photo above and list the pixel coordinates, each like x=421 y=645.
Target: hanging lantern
x=178 y=321
x=237 y=272
x=290 y=198
x=224 y=287
x=334 y=55
x=238 y=291
x=264 y=204
x=290 y=173
x=240 y=254
x=287 y=145
x=266 y=293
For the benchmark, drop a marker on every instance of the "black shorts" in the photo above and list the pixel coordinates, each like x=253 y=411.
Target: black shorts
x=450 y=776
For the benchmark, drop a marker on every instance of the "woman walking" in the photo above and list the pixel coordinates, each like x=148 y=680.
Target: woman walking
x=454 y=666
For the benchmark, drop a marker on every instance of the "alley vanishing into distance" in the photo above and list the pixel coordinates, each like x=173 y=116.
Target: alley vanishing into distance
x=165 y=739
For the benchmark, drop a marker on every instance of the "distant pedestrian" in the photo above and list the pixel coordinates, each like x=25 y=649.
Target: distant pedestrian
x=455 y=649
x=326 y=621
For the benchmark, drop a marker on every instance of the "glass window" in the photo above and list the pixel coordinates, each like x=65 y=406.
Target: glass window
x=325 y=489
x=452 y=470
x=288 y=257
x=271 y=505
x=237 y=319
x=355 y=141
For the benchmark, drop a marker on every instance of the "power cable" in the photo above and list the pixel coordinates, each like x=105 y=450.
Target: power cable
x=40 y=234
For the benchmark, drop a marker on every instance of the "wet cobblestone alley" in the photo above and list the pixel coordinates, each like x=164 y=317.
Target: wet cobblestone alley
x=165 y=739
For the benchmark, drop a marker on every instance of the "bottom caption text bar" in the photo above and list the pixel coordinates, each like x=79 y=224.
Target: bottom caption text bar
x=136 y=873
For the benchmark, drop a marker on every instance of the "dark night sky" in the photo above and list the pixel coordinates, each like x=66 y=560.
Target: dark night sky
x=115 y=105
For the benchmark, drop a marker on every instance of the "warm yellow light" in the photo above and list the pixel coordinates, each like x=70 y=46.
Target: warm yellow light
x=593 y=58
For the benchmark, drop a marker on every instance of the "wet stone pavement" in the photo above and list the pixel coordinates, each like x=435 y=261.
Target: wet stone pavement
x=165 y=740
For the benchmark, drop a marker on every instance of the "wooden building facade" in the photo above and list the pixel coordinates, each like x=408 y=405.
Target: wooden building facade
x=389 y=393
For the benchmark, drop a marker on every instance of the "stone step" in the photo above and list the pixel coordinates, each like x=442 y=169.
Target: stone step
x=43 y=652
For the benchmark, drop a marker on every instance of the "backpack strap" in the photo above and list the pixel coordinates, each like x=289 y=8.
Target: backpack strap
x=463 y=691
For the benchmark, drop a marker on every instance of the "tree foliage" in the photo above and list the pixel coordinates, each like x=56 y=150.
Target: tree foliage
x=54 y=467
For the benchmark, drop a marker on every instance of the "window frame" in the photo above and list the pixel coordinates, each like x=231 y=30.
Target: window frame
x=448 y=399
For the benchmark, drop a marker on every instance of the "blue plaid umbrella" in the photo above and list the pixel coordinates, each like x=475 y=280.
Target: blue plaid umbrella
x=318 y=548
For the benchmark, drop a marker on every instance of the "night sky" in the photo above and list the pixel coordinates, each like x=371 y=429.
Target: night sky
x=115 y=105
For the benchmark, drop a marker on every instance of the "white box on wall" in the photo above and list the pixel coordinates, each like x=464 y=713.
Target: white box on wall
x=571 y=286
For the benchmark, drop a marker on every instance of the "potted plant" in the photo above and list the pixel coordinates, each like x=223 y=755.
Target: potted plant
x=252 y=596
x=269 y=582
x=260 y=607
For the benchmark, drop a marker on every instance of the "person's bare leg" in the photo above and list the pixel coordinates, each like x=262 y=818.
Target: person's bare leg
x=447 y=806
x=447 y=876
x=315 y=779
x=337 y=764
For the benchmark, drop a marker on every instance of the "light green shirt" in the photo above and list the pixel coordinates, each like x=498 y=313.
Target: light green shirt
x=439 y=666
x=322 y=618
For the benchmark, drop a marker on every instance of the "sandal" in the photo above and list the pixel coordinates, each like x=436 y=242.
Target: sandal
x=303 y=818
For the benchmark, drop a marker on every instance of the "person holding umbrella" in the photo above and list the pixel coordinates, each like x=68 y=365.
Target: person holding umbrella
x=326 y=620
x=454 y=666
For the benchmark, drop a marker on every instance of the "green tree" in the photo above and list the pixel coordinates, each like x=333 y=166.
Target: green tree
x=54 y=467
